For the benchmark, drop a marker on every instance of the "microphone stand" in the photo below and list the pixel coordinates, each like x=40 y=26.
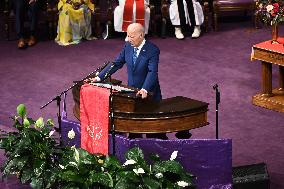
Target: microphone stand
x=111 y=110
x=111 y=116
x=58 y=98
x=215 y=87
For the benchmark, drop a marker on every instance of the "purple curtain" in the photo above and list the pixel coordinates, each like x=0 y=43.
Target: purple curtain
x=210 y=160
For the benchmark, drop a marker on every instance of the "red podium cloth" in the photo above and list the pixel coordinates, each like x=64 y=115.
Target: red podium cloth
x=94 y=117
x=128 y=13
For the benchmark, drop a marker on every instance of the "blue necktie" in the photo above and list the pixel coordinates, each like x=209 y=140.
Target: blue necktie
x=134 y=55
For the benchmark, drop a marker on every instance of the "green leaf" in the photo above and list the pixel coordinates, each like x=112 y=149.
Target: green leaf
x=168 y=166
x=50 y=177
x=26 y=175
x=130 y=176
x=31 y=120
x=112 y=163
x=71 y=176
x=135 y=153
x=21 y=110
x=17 y=163
x=155 y=157
x=37 y=183
x=102 y=178
x=50 y=122
x=151 y=183
x=38 y=166
x=123 y=183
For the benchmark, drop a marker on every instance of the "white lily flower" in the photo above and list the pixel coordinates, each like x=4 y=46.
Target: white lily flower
x=174 y=155
x=129 y=162
x=73 y=163
x=61 y=166
x=39 y=123
x=51 y=133
x=76 y=155
x=139 y=171
x=182 y=183
x=159 y=175
x=71 y=134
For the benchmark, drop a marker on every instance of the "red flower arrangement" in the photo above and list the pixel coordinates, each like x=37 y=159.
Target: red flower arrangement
x=270 y=11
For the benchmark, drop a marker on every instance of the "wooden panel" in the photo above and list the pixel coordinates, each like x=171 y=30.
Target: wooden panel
x=123 y=104
x=275 y=102
x=161 y=125
x=268 y=56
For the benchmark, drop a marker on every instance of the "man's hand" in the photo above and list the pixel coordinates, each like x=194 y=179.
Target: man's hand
x=143 y=93
x=92 y=80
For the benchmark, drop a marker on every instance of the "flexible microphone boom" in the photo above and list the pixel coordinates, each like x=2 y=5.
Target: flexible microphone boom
x=107 y=74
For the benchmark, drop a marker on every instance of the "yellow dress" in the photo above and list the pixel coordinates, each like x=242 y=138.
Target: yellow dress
x=74 y=25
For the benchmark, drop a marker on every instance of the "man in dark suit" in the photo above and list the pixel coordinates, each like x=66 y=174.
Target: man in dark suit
x=20 y=6
x=141 y=58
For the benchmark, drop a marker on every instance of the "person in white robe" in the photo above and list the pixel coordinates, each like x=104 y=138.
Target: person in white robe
x=183 y=12
x=131 y=11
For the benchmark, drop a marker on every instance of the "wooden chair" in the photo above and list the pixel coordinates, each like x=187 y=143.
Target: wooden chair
x=220 y=6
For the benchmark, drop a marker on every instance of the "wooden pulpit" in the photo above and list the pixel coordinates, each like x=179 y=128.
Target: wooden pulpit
x=131 y=114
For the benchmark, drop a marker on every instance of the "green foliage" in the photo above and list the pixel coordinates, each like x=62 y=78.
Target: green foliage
x=36 y=158
x=30 y=151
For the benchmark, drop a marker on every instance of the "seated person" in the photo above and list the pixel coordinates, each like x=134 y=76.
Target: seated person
x=74 y=22
x=32 y=7
x=183 y=12
x=131 y=11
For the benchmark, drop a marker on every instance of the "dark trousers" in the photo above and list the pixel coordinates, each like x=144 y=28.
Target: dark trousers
x=182 y=13
x=20 y=9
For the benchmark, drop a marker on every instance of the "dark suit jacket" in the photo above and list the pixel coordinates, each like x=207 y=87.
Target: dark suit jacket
x=144 y=74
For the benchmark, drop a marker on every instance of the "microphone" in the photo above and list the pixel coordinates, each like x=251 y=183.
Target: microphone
x=103 y=66
x=95 y=73
x=215 y=87
x=107 y=74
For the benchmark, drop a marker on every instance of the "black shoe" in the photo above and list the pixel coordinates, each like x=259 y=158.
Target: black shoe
x=134 y=135
x=183 y=134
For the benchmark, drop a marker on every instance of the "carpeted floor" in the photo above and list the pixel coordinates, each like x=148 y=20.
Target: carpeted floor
x=187 y=68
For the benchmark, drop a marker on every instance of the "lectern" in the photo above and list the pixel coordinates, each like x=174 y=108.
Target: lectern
x=131 y=114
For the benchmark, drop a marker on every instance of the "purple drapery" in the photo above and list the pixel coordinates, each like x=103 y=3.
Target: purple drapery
x=210 y=160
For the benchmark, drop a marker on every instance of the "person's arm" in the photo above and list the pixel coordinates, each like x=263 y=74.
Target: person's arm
x=113 y=66
x=152 y=75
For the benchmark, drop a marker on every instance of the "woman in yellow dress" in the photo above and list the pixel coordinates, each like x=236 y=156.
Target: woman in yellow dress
x=74 y=21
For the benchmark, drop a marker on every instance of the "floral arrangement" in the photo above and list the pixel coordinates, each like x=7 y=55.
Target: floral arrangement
x=35 y=157
x=270 y=11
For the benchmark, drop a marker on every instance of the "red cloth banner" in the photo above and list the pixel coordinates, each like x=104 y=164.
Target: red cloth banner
x=94 y=117
x=128 y=13
x=140 y=12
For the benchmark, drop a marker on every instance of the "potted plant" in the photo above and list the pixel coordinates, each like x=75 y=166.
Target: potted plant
x=36 y=157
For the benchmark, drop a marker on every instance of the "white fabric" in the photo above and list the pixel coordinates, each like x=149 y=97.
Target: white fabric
x=174 y=14
x=118 y=15
x=140 y=47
